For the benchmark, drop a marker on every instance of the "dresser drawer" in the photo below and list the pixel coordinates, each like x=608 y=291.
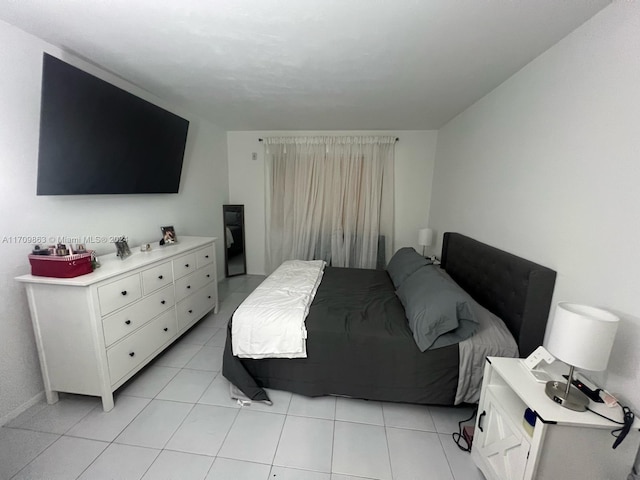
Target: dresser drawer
x=125 y=321
x=184 y=265
x=187 y=285
x=157 y=277
x=136 y=348
x=198 y=279
x=119 y=293
x=206 y=274
x=210 y=296
x=192 y=308
x=204 y=256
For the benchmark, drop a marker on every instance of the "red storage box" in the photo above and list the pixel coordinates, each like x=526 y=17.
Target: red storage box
x=64 y=266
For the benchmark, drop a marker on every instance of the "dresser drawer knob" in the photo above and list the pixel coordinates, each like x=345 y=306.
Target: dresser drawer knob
x=124 y=292
x=209 y=296
x=166 y=329
x=208 y=276
x=186 y=265
x=163 y=301
x=188 y=286
x=160 y=277
x=128 y=322
x=190 y=311
x=206 y=256
x=132 y=354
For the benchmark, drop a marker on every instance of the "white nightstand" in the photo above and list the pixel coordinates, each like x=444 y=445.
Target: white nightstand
x=564 y=444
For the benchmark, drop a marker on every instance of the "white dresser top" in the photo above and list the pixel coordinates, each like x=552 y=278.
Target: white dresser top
x=111 y=265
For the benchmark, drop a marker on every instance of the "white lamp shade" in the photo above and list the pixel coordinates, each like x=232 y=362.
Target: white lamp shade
x=582 y=336
x=425 y=237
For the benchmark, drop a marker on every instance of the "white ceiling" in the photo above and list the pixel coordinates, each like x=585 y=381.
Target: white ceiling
x=308 y=64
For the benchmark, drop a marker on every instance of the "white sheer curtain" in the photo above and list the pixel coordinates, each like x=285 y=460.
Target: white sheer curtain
x=329 y=198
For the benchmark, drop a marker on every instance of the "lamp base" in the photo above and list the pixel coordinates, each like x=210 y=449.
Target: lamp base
x=576 y=400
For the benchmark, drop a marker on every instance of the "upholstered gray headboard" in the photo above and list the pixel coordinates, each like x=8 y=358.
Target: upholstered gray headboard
x=516 y=290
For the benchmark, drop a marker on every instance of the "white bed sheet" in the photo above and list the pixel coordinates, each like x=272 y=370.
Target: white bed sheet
x=270 y=322
x=492 y=339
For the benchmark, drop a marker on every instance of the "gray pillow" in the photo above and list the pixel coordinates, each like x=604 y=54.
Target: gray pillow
x=403 y=263
x=465 y=329
x=438 y=310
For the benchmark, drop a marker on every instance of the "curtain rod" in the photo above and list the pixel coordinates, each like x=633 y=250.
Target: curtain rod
x=261 y=139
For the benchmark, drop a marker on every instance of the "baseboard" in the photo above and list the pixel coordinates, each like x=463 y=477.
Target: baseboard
x=21 y=409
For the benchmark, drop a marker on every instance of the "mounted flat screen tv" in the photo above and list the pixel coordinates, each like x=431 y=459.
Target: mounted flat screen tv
x=96 y=138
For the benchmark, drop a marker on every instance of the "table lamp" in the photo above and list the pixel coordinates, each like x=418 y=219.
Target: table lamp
x=580 y=336
x=425 y=238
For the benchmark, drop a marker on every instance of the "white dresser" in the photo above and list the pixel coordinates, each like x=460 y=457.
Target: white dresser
x=95 y=331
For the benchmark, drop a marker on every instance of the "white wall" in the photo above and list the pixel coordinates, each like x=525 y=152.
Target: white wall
x=196 y=210
x=547 y=166
x=414 y=161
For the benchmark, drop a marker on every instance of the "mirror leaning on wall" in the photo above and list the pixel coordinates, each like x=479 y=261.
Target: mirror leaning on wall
x=235 y=262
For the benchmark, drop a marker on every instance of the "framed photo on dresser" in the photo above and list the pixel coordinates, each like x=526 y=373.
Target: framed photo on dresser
x=168 y=235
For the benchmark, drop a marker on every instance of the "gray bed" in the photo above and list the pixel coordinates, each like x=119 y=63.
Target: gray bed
x=359 y=342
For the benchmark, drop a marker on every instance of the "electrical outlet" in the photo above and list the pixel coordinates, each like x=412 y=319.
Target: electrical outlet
x=538 y=355
x=254 y=156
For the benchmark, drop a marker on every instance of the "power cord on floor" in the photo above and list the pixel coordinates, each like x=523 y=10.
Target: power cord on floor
x=461 y=440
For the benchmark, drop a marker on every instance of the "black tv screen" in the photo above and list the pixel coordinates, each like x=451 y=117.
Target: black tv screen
x=96 y=138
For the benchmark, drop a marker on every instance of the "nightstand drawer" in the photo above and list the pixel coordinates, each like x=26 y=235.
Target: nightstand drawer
x=124 y=322
x=157 y=277
x=136 y=348
x=119 y=293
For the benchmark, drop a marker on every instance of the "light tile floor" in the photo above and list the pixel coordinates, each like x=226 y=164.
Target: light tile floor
x=175 y=420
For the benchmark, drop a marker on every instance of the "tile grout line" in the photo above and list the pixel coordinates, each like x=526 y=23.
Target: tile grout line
x=279 y=437
x=223 y=440
x=34 y=458
x=238 y=410
x=453 y=475
x=333 y=437
x=151 y=464
x=386 y=438
x=59 y=436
